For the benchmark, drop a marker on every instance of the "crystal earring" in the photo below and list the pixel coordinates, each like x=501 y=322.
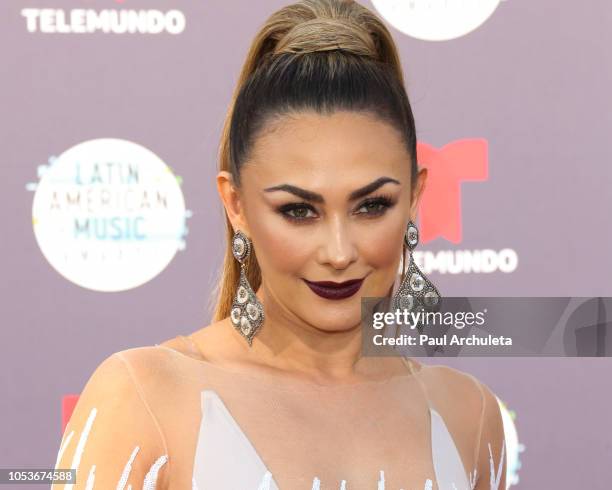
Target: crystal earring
x=247 y=313
x=415 y=290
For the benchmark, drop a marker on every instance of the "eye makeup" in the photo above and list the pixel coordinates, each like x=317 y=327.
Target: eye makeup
x=302 y=212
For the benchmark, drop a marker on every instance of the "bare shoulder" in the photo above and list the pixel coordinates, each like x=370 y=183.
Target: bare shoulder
x=158 y=361
x=143 y=362
x=466 y=399
x=218 y=343
x=468 y=384
x=192 y=344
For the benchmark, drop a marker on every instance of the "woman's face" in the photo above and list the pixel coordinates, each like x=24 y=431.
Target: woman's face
x=324 y=198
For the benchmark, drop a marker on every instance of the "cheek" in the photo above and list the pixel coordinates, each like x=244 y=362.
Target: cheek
x=279 y=249
x=382 y=250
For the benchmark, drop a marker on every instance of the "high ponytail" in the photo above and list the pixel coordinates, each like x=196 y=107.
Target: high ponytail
x=315 y=55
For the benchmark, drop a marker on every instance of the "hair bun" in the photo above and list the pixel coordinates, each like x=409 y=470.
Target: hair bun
x=326 y=34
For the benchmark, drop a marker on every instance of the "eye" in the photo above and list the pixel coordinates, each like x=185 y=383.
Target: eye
x=375 y=206
x=297 y=211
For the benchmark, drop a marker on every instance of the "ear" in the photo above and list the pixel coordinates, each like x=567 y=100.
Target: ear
x=231 y=199
x=418 y=191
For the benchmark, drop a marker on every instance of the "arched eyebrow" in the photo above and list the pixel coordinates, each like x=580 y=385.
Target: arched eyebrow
x=318 y=198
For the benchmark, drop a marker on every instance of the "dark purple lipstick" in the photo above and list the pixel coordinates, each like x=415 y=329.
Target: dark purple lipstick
x=335 y=290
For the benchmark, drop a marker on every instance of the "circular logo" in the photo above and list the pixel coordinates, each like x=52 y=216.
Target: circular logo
x=436 y=20
x=513 y=447
x=108 y=214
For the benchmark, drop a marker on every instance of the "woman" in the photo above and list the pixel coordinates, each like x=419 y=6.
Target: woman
x=319 y=180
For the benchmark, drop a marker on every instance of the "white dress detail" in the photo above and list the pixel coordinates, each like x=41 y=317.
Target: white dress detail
x=496 y=475
x=76 y=459
x=145 y=408
x=91 y=478
x=63 y=446
x=150 y=480
x=447 y=462
x=222 y=447
x=126 y=469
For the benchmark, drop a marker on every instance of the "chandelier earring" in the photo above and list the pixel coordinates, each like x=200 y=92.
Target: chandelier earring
x=247 y=314
x=415 y=291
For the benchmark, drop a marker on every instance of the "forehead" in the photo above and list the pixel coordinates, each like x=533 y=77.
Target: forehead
x=315 y=148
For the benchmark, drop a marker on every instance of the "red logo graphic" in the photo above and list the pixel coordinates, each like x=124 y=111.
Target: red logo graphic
x=440 y=206
x=68 y=404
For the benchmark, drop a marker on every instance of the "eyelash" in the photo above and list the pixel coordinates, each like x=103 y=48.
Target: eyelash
x=383 y=201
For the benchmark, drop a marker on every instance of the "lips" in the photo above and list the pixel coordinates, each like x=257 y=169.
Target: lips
x=335 y=290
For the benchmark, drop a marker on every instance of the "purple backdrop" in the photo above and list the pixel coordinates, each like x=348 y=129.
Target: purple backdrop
x=533 y=81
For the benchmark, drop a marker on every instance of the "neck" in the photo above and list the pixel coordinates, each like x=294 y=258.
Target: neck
x=287 y=342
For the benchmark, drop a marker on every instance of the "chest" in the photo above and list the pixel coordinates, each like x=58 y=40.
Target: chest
x=293 y=442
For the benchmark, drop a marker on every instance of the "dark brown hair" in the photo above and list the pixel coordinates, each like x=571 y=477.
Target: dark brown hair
x=315 y=55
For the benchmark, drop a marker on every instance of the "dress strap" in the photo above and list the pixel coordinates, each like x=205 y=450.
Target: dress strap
x=446 y=459
x=416 y=373
x=408 y=363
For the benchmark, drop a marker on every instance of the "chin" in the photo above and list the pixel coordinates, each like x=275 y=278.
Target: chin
x=335 y=319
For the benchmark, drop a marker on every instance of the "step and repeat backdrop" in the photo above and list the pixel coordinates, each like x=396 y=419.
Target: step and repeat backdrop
x=113 y=234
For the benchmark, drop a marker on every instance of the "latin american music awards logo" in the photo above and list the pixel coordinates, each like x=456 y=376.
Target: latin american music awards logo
x=108 y=214
x=436 y=20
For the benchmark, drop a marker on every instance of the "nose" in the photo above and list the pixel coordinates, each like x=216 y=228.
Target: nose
x=338 y=248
